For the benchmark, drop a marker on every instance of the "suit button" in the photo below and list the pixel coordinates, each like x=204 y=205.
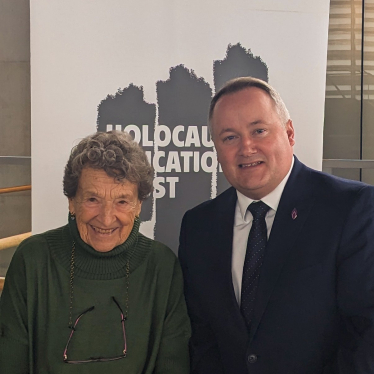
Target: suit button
x=252 y=359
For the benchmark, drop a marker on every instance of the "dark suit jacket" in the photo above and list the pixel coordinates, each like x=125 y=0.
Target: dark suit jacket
x=314 y=309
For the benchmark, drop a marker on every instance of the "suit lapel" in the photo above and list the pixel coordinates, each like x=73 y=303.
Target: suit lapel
x=292 y=212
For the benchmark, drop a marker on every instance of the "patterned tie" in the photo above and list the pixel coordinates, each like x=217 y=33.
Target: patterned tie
x=256 y=245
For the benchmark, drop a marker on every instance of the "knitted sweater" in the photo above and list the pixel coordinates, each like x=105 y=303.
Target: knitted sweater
x=34 y=307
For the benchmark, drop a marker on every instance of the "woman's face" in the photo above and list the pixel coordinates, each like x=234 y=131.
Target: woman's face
x=105 y=209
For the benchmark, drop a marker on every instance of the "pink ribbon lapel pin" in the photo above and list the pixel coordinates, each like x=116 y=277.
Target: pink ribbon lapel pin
x=294 y=213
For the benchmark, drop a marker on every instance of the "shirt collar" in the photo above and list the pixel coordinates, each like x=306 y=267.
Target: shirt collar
x=272 y=199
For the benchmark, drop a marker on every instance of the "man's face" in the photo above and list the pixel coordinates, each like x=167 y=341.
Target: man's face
x=254 y=148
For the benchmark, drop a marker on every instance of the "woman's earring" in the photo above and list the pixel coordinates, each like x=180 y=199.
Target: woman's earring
x=72 y=216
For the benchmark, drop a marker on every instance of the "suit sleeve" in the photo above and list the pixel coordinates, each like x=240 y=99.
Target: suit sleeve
x=205 y=357
x=14 y=348
x=355 y=287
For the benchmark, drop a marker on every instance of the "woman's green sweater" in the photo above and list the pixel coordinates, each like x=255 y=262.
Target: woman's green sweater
x=34 y=307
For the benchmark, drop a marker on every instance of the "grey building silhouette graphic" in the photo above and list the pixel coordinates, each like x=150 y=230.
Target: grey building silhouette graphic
x=177 y=141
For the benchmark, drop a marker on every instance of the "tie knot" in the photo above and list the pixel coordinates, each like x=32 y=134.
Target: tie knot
x=258 y=209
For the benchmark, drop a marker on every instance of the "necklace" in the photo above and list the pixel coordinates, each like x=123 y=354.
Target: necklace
x=73 y=326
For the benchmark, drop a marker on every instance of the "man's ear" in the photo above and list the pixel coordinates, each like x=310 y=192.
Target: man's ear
x=290 y=132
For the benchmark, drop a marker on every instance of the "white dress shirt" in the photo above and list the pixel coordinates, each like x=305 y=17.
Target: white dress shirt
x=242 y=226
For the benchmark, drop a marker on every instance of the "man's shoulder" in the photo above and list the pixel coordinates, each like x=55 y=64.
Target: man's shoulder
x=327 y=181
x=223 y=201
x=334 y=189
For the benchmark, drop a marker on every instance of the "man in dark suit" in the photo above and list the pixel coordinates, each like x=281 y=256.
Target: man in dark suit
x=289 y=290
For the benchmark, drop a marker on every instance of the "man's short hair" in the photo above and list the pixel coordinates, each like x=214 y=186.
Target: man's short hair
x=239 y=84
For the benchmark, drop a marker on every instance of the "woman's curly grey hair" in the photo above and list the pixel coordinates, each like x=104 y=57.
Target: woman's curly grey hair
x=116 y=153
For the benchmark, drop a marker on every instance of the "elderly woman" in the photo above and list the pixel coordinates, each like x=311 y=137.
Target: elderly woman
x=96 y=296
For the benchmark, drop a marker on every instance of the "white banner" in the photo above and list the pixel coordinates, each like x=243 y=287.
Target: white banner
x=151 y=67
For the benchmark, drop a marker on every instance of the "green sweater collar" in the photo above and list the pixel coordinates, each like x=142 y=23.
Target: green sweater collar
x=91 y=264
